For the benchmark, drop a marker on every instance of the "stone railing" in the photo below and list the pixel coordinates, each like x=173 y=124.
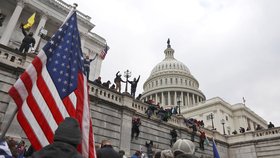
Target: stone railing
x=267 y=133
x=11 y=57
x=105 y=94
x=254 y=135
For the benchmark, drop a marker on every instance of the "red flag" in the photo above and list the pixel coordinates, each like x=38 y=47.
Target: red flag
x=53 y=87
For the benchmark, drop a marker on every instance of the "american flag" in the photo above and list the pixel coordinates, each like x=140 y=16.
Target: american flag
x=104 y=52
x=53 y=87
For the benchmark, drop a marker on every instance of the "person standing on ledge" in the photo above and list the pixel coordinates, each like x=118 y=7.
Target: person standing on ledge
x=87 y=62
x=27 y=42
x=118 y=81
x=133 y=86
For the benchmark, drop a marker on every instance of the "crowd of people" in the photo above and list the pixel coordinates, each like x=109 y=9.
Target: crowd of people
x=116 y=86
x=160 y=112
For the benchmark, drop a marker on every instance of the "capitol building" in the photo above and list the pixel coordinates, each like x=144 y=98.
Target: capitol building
x=171 y=84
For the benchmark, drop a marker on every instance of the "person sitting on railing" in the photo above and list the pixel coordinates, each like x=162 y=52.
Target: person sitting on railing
x=97 y=81
x=139 y=97
x=259 y=127
x=234 y=132
x=242 y=130
x=136 y=123
x=113 y=87
x=270 y=125
x=248 y=129
x=106 y=84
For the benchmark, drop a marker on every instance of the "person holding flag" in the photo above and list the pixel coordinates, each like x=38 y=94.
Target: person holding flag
x=53 y=87
x=27 y=42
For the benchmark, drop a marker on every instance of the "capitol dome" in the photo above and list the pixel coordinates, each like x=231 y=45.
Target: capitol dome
x=171 y=83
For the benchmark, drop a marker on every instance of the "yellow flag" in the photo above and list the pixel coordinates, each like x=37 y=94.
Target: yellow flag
x=30 y=22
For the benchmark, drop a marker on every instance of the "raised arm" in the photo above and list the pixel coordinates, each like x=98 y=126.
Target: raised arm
x=22 y=30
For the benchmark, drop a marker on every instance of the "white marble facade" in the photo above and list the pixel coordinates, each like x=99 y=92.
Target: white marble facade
x=50 y=14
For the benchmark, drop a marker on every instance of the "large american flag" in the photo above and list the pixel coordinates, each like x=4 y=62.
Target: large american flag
x=53 y=87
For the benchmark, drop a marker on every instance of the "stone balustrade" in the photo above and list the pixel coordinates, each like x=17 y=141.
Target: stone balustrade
x=266 y=133
x=11 y=57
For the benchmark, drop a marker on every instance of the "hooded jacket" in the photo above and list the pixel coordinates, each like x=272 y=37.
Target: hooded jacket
x=67 y=137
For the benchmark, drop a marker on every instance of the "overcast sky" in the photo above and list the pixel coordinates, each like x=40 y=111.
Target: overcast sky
x=230 y=46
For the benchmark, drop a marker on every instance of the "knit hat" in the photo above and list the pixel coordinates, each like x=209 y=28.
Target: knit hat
x=68 y=131
x=183 y=145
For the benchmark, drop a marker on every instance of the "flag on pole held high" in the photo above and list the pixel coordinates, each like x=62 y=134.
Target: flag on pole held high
x=54 y=86
x=30 y=22
x=103 y=53
x=215 y=150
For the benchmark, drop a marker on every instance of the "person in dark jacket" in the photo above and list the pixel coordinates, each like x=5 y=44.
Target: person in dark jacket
x=106 y=150
x=174 y=135
x=133 y=86
x=66 y=139
x=27 y=42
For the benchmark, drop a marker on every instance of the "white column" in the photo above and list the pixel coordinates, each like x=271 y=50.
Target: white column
x=156 y=98
x=182 y=99
x=12 y=23
x=83 y=41
x=175 y=98
x=188 y=98
x=41 y=25
x=162 y=99
x=169 y=100
x=193 y=99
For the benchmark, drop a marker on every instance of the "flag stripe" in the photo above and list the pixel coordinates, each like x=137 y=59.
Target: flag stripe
x=34 y=124
x=28 y=131
x=16 y=96
x=37 y=113
x=32 y=72
x=73 y=99
x=19 y=85
x=80 y=104
x=69 y=106
x=54 y=94
x=37 y=63
x=44 y=108
x=51 y=103
x=86 y=123
x=27 y=82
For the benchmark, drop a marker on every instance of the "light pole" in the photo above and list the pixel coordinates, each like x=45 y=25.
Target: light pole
x=179 y=104
x=212 y=117
x=223 y=123
x=127 y=74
